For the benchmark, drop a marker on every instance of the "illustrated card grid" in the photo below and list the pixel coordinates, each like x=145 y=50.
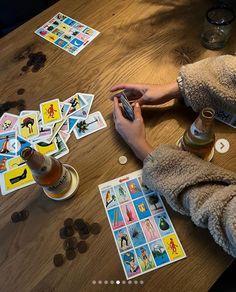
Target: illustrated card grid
x=67 y=33
x=144 y=234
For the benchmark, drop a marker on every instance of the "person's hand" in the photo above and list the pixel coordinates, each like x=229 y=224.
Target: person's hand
x=147 y=93
x=132 y=132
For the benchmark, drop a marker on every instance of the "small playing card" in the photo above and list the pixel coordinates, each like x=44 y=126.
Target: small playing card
x=226 y=118
x=65 y=136
x=62 y=147
x=56 y=128
x=47 y=148
x=77 y=102
x=20 y=144
x=50 y=112
x=3 y=162
x=72 y=123
x=127 y=108
x=65 y=107
x=84 y=112
x=93 y=123
x=14 y=162
x=16 y=179
x=7 y=123
x=7 y=143
x=28 y=127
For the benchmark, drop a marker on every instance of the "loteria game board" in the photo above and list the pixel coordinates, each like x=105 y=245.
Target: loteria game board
x=144 y=234
x=67 y=33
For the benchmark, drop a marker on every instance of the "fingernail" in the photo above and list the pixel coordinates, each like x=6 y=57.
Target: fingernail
x=136 y=104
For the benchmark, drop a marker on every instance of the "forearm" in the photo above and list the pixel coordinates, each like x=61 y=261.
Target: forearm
x=195 y=188
x=209 y=83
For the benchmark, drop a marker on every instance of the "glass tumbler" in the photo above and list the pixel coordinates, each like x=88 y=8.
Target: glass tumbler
x=217 y=27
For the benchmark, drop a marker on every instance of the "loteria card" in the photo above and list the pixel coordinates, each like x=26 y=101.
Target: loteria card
x=67 y=33
x=77 y=103
x=14 y=162
x=226 y=118
x=56 y=128
x=28 y=127
x=50 y=112
x=16 y=179
x=3 y=162
x=62 y=147
x=71 y=124
x=65 y=126
x=93 y=123
x=44 y=132
x=7 y=123
x=143 y=232
x=65 y=136
x=84 y=112
x=47 y=148
x=20 y=144
x=7 y=143
x=65 y=107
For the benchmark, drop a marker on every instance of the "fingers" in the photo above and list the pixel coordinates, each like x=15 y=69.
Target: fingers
x=122 y=86
x=117 y=114
x=137 y=112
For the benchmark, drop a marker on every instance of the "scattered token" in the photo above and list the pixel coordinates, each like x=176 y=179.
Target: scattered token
x=15 y=217
x=20 y=91
x=70 y=243
x=83 y=236
x=24 y=214
x=68 y=231
x=82 y=246
x=68 y=222
x=58 y=260
x=62 y=233
x=70 y=254
x=123 y=160
x=95 y=228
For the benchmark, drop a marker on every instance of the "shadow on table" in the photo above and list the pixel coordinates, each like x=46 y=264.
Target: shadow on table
x=173 y=30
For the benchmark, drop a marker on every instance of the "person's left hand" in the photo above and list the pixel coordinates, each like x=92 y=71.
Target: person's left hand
x=133 y=132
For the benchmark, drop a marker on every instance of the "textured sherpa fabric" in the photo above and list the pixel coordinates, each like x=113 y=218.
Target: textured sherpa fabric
x=210 y=83
x=195 y=188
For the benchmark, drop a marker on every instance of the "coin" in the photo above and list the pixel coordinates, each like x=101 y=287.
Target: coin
x=58 y=260
x=79 y=223
x=123 y=160
x=70 y=243
x=68 y=222
x=15 y=217
x=68 y=231
x=95 y=228
x=70 y=254
x=20 y=91
x=24 y=214
x=62 y=233
x=82 y=246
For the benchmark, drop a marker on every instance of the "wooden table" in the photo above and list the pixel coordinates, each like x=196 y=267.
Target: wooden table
x=140 y=41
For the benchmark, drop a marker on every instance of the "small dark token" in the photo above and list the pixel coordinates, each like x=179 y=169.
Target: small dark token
x=68 y=231
x=84 y=236
x=70 y=254
x=35 y=69
x=16 y=217
x=29 y=63
x=68 y=222
x=24 y=214
x=58 y=260
x=25 y=68
x=62 y=233
x=95 y=228
x=70 y=243
x=20 y=91
x=82 y=246
x=79 y=223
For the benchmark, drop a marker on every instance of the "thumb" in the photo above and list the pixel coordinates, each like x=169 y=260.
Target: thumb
x=137 y=112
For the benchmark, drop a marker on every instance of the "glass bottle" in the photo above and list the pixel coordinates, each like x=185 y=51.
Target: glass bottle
x=200 y=137
x=48 y=172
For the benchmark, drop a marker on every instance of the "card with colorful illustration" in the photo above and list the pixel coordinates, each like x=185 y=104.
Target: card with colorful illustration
x=77 y=103
x=50 y=112
x=143 y=232
x=8 y=123
x=65 y=108
x=67 y=33
x=62 y=147
x=7 y=143
x=16 y=179
x=65 y=136
x=47 y=148
x=71 y=124
x=93 y=123
x=28 y=127
x=14 y=162
x=3 y=162
x=226 y=118
x=20 y=144
x=84 y=112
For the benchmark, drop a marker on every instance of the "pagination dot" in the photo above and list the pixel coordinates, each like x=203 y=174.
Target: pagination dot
x=94 y=282
x=117 y=282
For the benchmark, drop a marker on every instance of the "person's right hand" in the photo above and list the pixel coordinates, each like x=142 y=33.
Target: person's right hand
x=148 y=93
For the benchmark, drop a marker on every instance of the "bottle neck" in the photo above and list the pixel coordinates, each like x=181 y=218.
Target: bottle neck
x=203 y=125
x=35 y=160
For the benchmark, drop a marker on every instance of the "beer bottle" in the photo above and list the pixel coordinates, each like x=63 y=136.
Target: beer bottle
x=48 y=172
x=200 y=138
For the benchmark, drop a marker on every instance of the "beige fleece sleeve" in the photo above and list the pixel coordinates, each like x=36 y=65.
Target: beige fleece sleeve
x=210 y=83
x=195 y=188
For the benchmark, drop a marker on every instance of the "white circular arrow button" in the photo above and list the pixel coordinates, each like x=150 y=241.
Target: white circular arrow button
x=222 y=145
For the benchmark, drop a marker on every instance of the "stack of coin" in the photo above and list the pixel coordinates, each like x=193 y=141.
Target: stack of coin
x=71 y=245
x=20 y=216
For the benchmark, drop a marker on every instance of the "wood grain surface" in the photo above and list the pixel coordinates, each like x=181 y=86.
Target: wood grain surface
x=140 y=41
